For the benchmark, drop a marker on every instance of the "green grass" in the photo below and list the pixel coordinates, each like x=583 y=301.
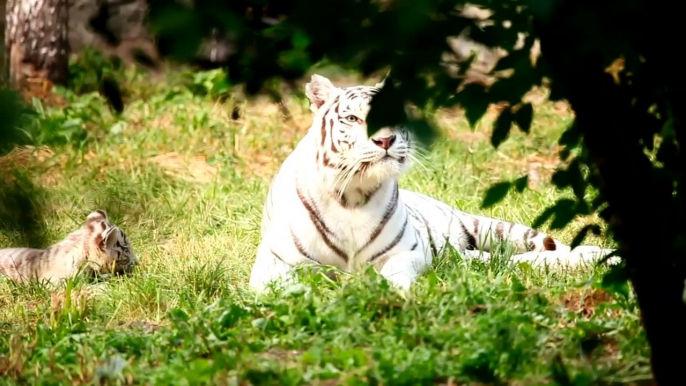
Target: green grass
x=187 y=184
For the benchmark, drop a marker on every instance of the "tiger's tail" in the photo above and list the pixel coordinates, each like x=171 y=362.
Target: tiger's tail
x=484 y=233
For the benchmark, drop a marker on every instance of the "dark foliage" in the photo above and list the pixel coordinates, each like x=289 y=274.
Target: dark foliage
x=621 y=116
x=627 y=136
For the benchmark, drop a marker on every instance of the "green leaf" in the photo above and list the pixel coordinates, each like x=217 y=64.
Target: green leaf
x=521 y=183
x=576 y=179
x=579 y=238
x=668 y=152
x=300 y=40
x=514 y=88
x=559 y=372
x=501 y=128
x=615 y=281
x=597 y=202
x=565 y=211
x=524 y=116
x=178 y=315
x=475 y=101
x=543 y=217
x=517 y=286
x=506 y=63
x=495 y=194
x=474 y=113
x=571 y=137
x=605 y=213
x=560 y=179
x=387 y=108
x=423 y=130
x=572 y=176
x=557 y=92
x=564 y=154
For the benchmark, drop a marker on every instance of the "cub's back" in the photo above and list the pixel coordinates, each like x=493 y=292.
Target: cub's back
x=16 y=262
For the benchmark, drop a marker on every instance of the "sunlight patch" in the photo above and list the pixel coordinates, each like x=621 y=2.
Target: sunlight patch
x=193 y=169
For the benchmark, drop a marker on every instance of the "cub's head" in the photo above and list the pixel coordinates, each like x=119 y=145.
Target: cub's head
x=345 y=151
x=108 y=246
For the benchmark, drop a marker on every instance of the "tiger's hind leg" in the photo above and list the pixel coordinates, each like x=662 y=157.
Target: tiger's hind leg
x=488 y=232
x=585 y=255
x=530 y=245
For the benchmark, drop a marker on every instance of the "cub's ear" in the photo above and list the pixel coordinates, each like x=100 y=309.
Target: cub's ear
x=96 y=215
x=108 y=237
x=318 y=91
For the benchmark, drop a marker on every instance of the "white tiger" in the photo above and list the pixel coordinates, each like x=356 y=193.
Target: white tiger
x=97 y=248
x=335 y=201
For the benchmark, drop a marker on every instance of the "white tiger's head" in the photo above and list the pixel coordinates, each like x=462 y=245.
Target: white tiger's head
x=346 y=154
x=107 y=245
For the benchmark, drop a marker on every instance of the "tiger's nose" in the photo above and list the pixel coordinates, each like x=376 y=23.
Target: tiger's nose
x=385 y=142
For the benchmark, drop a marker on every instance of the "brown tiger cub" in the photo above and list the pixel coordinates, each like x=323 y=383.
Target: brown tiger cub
x=98 y=248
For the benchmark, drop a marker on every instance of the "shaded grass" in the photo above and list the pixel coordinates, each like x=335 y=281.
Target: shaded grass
x=186 y=182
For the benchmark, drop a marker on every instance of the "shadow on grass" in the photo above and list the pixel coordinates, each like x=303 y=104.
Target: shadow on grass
x=21 y=211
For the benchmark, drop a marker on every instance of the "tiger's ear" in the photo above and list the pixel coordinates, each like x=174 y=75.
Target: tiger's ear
x=108 y=237
x=96 y=215
x=318 y=91
x=383 y=81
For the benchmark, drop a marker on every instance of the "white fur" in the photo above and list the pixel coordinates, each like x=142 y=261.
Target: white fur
x=303 y=180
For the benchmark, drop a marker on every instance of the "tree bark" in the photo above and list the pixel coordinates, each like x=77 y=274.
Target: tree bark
x=645 y=215
x=36 y=43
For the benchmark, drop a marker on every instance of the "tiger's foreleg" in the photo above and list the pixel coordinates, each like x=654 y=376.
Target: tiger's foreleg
x=403 y=268
x=269 y=267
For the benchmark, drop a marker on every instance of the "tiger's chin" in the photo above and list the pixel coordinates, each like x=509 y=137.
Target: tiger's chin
x=386 y=168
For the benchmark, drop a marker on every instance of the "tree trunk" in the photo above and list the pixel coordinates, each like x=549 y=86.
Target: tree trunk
x=36 y=43
x=645 y=216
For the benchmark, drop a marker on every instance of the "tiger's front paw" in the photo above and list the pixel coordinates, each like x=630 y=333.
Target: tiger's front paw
x=593 y=254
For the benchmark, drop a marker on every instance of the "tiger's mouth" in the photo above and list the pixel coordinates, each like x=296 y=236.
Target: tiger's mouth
x=389 y=158
x=385 y=160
